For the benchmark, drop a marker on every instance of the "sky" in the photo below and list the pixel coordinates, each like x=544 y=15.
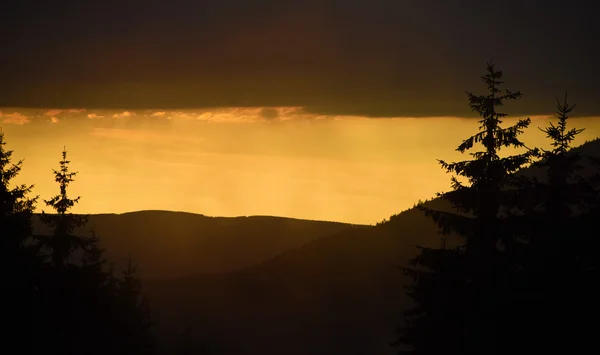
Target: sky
x=245 y=161
x=352 y=57
x=323 y=109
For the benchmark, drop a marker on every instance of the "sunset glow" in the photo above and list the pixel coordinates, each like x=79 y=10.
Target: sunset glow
x=245 y=161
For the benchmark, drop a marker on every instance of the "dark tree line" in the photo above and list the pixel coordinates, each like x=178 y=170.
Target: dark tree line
x=59 y=295
x=523 y=275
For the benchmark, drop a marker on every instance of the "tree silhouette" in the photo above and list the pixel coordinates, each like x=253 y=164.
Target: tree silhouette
x=560 y=244
x=16 y=208
x=19 y=262
x=69 y=293
x=62 y=243
x=559 y=196
x=86 y=308
x=458 y=289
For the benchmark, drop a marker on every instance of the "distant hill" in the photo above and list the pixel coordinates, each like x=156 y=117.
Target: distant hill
x=175 y=244
x=340 y=294
x=589 y=149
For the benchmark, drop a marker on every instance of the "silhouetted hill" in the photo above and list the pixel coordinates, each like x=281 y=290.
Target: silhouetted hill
x=338 y=294
x=174 y=244
x=331 y=294
x=589 y=148
x=341 y=294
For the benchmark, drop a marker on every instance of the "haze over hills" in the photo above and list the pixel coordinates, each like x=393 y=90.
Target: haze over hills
x=174 y=244
x=338 y=294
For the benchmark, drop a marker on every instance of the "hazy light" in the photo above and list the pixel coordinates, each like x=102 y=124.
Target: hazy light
x=245 y=161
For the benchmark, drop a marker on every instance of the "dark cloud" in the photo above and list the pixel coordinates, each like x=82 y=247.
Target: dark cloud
x=366 y=57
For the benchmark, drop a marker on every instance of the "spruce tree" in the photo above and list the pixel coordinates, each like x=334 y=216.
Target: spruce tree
x=63 y=243
x=87 y=309
x=459 y=289
x=16 y=208
x=562 y=194
x=20 y=264
x=65 y=294
x=560 y=238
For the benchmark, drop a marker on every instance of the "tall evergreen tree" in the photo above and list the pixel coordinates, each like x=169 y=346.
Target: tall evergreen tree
x=87 y=309
x=16 y=208
x=66 y=293
x=561 y=194
x=557 y=225
x=458 y=289
x=19 y=262
x=63 y=243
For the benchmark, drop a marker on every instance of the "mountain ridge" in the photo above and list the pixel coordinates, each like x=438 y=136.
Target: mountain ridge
x=168 y=244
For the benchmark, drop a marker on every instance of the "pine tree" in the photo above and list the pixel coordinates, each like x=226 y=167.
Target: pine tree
x=87 y=309
x=562 y=193
x=63 y=243
x=20 y=265
x=64 y=295
x=458 y=289
x=559 y=243
x=16 y=209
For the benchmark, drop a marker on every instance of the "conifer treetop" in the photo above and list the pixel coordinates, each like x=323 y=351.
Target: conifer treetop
x=487 y=170
x=61 y=203
x=560 y=136
x=13 y=200
x=7 y=170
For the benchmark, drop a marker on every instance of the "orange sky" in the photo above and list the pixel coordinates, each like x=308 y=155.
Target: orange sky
x=245 y=161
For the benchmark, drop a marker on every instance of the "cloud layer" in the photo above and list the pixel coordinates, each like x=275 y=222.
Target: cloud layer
x=356 y=57
x=112 y=118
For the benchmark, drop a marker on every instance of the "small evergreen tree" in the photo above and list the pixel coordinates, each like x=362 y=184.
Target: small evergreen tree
x=459 y=289
x=134 y=313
